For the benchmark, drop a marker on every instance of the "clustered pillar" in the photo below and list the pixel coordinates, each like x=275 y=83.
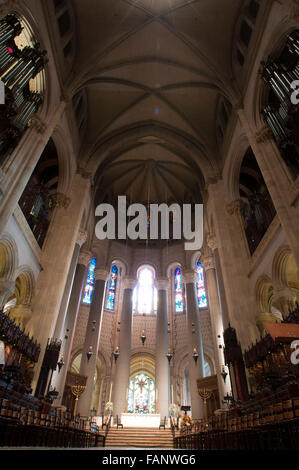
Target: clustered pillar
x=162 y=364
x=122 y=370
x=92 y=338
x=194 y=343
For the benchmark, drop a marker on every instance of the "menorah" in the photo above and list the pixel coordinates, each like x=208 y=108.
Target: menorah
x=77 y=391
x=205 y=394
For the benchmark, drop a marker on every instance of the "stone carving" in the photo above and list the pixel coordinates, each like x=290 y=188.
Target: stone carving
x=211 y=241
x=162 y=283
x=36 y=123
x=129 y=282
x=60 y=200
x=84 y=257
x=189 y=276
x=234 y=207
x=263 y=135
x=101 y=274
x=81 y=237
x=207 y=262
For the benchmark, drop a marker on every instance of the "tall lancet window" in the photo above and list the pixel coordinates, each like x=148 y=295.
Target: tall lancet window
x=110 y=302
x=145 y=293
x=178 y=290
x=89 y=286
x=200 y=286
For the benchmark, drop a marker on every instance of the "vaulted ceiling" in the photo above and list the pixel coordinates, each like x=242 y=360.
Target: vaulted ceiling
x=154 y=73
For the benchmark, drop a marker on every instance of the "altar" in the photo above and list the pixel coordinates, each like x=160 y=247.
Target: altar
x=140 y=420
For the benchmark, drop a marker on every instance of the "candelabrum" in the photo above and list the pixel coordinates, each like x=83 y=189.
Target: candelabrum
x=77 y=391
x=205 y=394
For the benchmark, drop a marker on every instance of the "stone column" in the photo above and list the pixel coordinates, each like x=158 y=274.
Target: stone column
x=92 y=339
x=23 y=160
x=122 y=369
x=56 y=259
x=67 y=318
x=162 y=364
x=69 y=283
x=71 y=320
x=235 y=263
x=216 y=321
x=276 y=178
x=196 y=370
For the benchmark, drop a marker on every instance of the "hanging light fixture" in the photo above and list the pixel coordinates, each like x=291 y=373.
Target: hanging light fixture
x=223 y=373
x=169 y=355
x=143 y=337
x=60 y=363
x=116 y=353
x=89 y=353
x=195 y=355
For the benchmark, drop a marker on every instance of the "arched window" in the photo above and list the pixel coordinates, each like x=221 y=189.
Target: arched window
x=89 y=286
x=110 y=302
x=141 y=394
x=178 y=290
x=200 y=286
x=145 y=293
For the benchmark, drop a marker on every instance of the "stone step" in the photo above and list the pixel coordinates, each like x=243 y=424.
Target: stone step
x=139 y=437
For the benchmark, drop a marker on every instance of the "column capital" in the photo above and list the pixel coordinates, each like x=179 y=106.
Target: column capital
x=101 y=274
x=129 y=282
x=81 y=237
x=207 y=262
x=211 y=241
x=37 y=124
x=264 y=134
x=162 y=283
x=189 y=276
x=84 y=257
x=234 y=207
x=60 y=200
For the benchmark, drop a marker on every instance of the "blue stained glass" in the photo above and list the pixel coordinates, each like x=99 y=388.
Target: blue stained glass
x=89 y=286
x=200 y=286
x=178 y=290
x=112 y=288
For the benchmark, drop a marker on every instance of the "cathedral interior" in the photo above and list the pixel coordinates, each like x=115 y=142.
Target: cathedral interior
x=180 y=103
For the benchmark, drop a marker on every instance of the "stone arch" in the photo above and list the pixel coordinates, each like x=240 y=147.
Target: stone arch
x=149 y=264
x=171 y=266
x=120 y=262
x=285 y=280
x=22 y=297
x=264 y=294
x=8 y=257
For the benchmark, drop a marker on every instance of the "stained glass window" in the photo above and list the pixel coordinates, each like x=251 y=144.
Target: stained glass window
x=141 y=394
x=89 y=286
x=112 y=288
x=178 y=290
x=145 y=293
x=200 y=286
